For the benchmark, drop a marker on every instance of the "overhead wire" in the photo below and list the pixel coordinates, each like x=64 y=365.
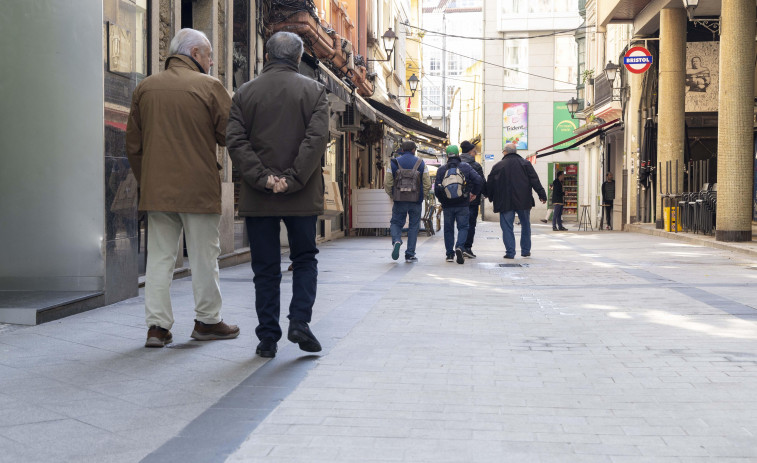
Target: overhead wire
x=525 y=37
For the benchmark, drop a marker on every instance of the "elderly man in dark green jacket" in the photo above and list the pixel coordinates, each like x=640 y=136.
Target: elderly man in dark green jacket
x=277 y=135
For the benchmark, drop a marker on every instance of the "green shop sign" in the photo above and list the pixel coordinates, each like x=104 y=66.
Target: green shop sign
x=563 y=124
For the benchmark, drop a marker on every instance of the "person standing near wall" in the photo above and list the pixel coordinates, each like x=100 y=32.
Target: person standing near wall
x=608 y=196
x=558 y=199
x=177 y=118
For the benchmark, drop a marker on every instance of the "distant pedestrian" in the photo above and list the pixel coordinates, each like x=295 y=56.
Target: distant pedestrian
x=456 y=185
x=608 y=197
x=469 y=156
x=277 y=137
x=177 y=118
x=558 y=200
x=407 y=182
x=509 y=187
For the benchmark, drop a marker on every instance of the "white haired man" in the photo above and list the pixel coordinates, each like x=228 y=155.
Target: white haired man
x=177 y=118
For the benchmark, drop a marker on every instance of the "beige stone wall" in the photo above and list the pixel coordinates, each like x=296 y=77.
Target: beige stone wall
x=164 y=33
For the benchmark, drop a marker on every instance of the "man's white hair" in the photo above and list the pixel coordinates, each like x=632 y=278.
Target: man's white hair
x=510 y=148
x=187 y=39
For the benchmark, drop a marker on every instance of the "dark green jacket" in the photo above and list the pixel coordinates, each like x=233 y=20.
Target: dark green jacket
x=279 y=125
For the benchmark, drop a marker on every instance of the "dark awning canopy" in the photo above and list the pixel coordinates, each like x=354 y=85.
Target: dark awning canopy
x=407 y=124
x=588 y=135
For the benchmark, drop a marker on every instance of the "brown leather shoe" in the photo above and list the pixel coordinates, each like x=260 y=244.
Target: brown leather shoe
x=220 y=330
x=158 y=337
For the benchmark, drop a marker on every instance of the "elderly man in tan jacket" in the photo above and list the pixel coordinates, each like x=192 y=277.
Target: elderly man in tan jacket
x=177 y=118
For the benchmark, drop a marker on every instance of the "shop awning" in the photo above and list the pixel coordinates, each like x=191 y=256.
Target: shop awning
x=588 y=135
x=334 y=84
x=364 y=108
x=407 y=124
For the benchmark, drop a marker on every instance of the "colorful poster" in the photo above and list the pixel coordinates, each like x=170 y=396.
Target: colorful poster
x=515 y=124
x=563 y=124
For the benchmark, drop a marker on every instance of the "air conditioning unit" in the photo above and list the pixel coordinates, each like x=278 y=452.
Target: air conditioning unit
x=350 y=119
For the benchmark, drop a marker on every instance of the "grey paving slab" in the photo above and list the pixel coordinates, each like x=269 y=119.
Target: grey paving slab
x=606 y=347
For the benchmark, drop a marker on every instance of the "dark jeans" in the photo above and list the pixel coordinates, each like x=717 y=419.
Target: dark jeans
x=506 y=220
x=452 y=216
x=607 y=212
x=557 y=217
x=472 y=218
x=400 y=211
x=265 y=250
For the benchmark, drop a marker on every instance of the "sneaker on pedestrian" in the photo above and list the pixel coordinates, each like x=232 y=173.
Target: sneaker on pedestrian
x=267 y=348
x=459 y=258
x=554 y=229
x=215 y=331
x=158 y=337
x=525 y=254
x=299 y=333
x=509 y=257
x=469 y=253
x=543 y=220
x=450 y=257
x=396 y=250
x=411 y=259
x=563 y=229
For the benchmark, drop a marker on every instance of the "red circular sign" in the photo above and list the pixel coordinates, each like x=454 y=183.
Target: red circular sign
x=637 y=60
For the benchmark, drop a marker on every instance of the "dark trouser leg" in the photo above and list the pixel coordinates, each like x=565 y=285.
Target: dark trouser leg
x=302 y=251
x=413 y=226
x=449 y=230
x=472 y=218
x=608 y=213
x=524 y=216
x=557 y=217
x=265 y=251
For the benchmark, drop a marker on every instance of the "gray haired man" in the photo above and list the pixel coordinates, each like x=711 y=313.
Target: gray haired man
x=177 y=118
x=277 y=136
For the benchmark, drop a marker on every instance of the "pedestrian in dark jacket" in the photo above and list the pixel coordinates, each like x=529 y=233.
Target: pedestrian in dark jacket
x=608 y=196
x=509 y=187
x=558 y=200
x=402 y=208
x=277 y=135
x=456 y=185
x=469 y=157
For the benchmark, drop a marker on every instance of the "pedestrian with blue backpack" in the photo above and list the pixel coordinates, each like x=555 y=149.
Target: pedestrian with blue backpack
x=407 y=182
x=456 y=185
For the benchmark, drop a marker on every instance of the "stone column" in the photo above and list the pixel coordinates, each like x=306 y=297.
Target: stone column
x=671 y=99
x=735 y=121
x=633 y=134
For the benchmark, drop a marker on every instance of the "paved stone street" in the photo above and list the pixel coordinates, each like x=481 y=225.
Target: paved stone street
x=601 y=347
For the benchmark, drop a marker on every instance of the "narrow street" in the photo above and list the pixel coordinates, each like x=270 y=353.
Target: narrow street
x=601 y=347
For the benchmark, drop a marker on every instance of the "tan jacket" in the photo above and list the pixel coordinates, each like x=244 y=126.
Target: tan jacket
x=177 y=118
x=279 y=125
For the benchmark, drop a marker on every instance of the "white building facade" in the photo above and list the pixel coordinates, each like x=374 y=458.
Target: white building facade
x=528 y=76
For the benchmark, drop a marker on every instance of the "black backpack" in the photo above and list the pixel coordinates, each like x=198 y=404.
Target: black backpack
x=407 y=183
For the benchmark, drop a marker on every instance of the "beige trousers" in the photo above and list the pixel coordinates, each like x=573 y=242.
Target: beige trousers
x=203 y=246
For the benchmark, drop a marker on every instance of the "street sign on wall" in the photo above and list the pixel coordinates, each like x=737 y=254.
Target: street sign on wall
x=637 y=60
x=563 y=124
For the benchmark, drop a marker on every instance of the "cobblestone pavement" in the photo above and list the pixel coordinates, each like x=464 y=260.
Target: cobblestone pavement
x=601 y=347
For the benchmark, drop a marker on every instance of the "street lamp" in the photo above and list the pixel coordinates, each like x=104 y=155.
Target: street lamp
x=611 y=70
x=388 y=38
x=690 y=6
x=413 y=82
x=572 y=106
x=429 y=119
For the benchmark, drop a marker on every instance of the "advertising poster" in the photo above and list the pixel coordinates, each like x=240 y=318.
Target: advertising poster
x=515 y=124
x=563 y=124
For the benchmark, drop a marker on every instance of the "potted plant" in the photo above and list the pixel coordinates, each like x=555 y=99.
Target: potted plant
x=588 y=76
